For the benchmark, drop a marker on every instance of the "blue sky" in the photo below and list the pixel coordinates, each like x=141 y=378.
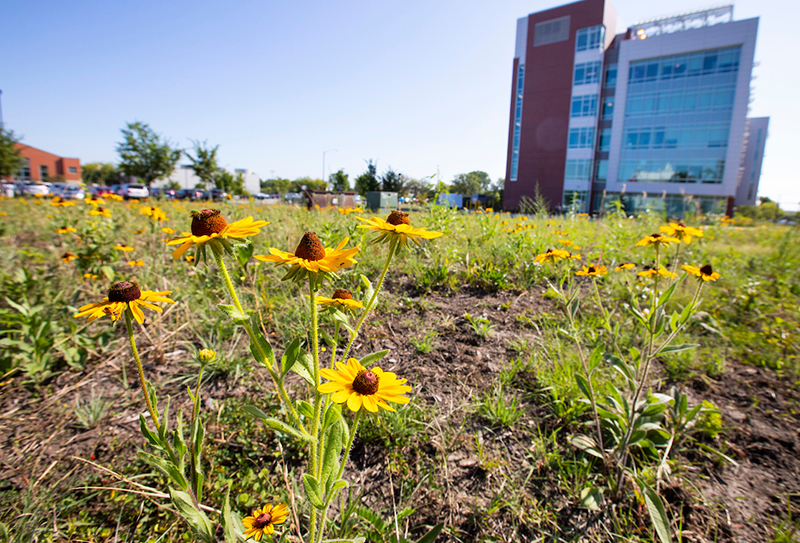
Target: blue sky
x=416 y=85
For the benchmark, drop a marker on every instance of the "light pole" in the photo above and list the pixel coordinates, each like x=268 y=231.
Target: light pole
x=323 y=163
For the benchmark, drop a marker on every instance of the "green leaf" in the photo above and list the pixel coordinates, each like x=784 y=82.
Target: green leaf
x=275 y=424
x=583 y=384
x=231 y=523
x=305 y=367
x=290 y=356
x=658 y=514
x=234 y=314
x=677 y=348
x=330 y=456
x=674 y=321
x=261 y=349
x=313 y=491
x=372 y=358
x=332 y=415
x=305 y=409
x=432 y=534
x=169 y=469
x=147 y=433
x=591 y=498
x=198 y=521
x=665 y=297
x=586 y=444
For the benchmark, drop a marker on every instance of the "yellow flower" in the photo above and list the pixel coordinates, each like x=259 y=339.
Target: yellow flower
x=115 y=197
x=58 y=202
x=189 y=259
x=357 y=386
x=3 y=214
x=397 y=227
x=94 y=202
x=147 y=210
x=593 y=271
x=341 y=299
x=122 y=295
x=169 y=231
x=136 y=262
x=123 y=248
x=208 y=225
x=264 y=520
x=566 y=242
x=101 y=211
x=91 y=276
x=349 y=210
x=68 y=257
x=706 y=273
x=626 y=266
x=206 y=355
x=139 y=231
x=661 y=271
x=681 y=231
x=657 y=240
x=311 y=256
x=552 y=255
x=65 y=230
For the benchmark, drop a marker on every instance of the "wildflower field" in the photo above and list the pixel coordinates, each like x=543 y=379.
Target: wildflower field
x=233 y=371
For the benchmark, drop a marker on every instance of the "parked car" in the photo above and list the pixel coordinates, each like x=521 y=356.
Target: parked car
x=218 y=194
x=56 y=189
x=131 y=190
x=32 y=188
x=73 y=192
x=100 y=190
x=191 y=194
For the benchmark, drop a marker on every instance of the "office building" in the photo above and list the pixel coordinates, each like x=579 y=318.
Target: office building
x=654 y=117
x=38 y=165
x=752 y=157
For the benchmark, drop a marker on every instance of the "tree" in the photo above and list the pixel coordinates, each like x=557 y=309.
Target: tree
x=144 y=155
x=471 y=183
x=368 y=181
x=10 y=159
x=392 y=181
x=100 y=173
x=339 y=181
x=204 y=162
x=277 y=185
x=232 y=184
x=419 y=188
x=308 y=183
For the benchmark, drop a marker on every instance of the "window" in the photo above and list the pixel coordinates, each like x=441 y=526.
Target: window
x=43 y=172
x=73 y=169
x=608 y=108
x=584 y=106
x=581 y=138
x=587 y=72
x=552 y=31
x=578 y=169
x=602 y=171
x=24 y=173
x=611 y=76
x=605 y=140
x=589 y=38
x=517 y=122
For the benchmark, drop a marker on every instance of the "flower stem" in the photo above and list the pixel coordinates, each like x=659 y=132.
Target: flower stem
x=142 y=381
x=368 y=307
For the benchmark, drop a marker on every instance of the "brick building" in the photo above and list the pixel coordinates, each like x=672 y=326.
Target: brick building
x=40 y=165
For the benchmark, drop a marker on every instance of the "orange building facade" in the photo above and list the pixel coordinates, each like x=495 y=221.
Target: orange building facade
x=40 y=165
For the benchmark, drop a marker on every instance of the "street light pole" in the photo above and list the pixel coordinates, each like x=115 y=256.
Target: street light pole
x=323 y=162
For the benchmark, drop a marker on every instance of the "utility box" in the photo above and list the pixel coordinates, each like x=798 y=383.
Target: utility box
x=378 y=200
x=451 y=200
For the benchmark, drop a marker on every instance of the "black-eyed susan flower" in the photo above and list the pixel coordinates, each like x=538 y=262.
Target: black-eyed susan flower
x=91 y=276
x=681 y=231
x=58 y=202
x=105 y=212
x=123 y=248
x=397 y=227
x=3 y=214
x=652 y=272
x=625 y=266
x=139 y=231
x=209 y=226
x=123 y=295
x=349 y=210
x=147 y=210
x=68 y=257
x=657 y=240
x=115 y=197
x=206 y=355
x=341 y=299
x=357 y=386
x=65 y=230
x=94 y=202
x=593 y=271
x=136 y=262
x=551 y=255
x=311 y=256
x=706 y=272
x=263 y=521
x=168 y=231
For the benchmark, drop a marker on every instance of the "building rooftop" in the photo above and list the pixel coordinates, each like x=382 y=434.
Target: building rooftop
x=683 y=21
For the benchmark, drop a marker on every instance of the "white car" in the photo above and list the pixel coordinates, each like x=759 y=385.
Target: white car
x=32 y=188
x=130 y=190
x=73 y=192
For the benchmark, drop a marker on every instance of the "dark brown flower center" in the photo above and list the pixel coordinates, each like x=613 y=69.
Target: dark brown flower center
x=101 y=209
x=707 y=270
x=398 y=217
x=342 y=294
x=656 y=236
x=366 y=382
x=592 y=269
x=310 y=247
x=262 y=521
x=124 y=291
x=207 y=222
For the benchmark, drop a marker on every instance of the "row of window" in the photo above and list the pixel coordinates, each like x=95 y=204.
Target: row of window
x=673 y=205
x=517 y=121
x=584 y=106
x=611 y=76
x=589 y=38
x=689 y=65
x=586 y=72
x=24 y=172
x=677 y=137
x=581 y=138
x=672 y=171
x=677 y=101
x=578 y=169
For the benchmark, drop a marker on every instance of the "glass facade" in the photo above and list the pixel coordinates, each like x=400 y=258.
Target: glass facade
x=578 y=169
x=581 y=138
x=517 y=122
x=575 y=202
x=673 y=205
x=589 y=38
x=584 y=106
x=586 y=72
x=678 y=112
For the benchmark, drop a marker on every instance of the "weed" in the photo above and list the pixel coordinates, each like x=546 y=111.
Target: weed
x=424 y=343
x=499 y=410
x=91 y=412
x=480 y=325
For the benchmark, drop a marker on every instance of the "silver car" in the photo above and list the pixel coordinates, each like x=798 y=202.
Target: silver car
x=131 y=190
x=32 y=188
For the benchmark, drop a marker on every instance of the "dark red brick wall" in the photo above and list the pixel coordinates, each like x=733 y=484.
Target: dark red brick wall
x=56 y=165
x=546 y=104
